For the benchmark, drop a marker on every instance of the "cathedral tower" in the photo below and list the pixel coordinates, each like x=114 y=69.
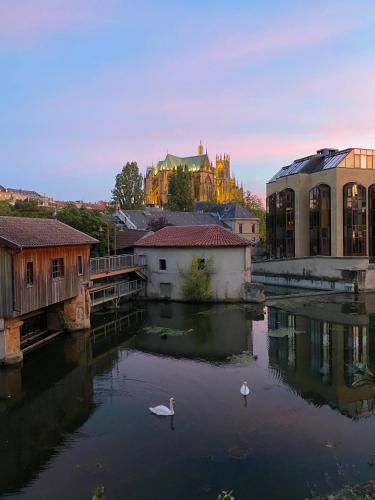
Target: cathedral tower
x=200 y=148
x=223 y=166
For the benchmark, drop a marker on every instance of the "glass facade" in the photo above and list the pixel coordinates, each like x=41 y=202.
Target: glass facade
x=354 y=219
x=320 y=220
x=371 y=222
x=281 y=224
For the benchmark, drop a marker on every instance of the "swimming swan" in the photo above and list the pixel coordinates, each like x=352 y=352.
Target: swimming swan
x=245 y=391
x=162 y=410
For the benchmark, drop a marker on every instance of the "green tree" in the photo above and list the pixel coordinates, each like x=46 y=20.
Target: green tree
x=90 y=222
x=5 y=208
x=180 y=191
x=196 y=280
x=254 y=204
x=128 y=191
x=30 y=208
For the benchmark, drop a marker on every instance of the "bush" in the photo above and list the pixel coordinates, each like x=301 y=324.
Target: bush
x=196 y=281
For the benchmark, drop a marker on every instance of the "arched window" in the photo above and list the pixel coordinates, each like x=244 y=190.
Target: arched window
x=371 y=222
x=280 y=224
x=271 y=225
x=354 y=219
x=320 y=220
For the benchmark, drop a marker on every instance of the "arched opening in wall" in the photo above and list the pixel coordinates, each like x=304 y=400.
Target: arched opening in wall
x=354 y=219
x=209 y=189
x=196 y=186
x=371 y=221
x=320 y=220
x=271 y=225
x=281 y=224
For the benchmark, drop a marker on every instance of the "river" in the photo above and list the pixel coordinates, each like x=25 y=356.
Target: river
x=75 y=415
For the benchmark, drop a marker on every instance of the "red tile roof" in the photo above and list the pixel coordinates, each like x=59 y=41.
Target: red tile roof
x=25 y=232
x=193 y=236
x=126 y=238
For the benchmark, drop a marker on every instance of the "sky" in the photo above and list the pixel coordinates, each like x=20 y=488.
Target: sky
x=87 y=85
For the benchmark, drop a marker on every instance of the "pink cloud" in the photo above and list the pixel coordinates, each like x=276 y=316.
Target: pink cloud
x=24 y=21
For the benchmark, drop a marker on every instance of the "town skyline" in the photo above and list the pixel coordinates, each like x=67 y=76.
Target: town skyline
x=90 y=86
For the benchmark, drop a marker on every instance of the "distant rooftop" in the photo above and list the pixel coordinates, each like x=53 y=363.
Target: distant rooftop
x=26 y=232
x=324 y=159
x=226 y=211
x=193 y=236
x=140 y=219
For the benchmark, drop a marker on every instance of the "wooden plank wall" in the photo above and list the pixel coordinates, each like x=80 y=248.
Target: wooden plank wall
x=46 y=290
x=6 y=295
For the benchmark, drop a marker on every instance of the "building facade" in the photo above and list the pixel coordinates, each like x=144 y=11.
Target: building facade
x=44 y=274
x=172 y=249
x=234 y=216
x=323 y=206
x=208 y=183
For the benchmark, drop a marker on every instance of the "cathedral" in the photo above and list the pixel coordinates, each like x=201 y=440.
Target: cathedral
x=209 y=183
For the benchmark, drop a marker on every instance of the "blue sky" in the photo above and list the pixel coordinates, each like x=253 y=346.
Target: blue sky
x=87 y=85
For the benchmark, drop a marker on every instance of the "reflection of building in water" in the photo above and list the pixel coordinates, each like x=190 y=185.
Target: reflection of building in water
x=51 y=396
x=213 y=332
x=317 y=359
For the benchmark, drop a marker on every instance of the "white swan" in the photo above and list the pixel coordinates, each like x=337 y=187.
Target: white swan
x=245 y=391
x=162 y=410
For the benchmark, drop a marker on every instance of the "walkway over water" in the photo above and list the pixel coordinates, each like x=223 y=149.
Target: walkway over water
x=114 y=292
x=112 y=265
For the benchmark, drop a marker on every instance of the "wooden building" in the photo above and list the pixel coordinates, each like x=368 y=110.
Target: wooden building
x=44 y=273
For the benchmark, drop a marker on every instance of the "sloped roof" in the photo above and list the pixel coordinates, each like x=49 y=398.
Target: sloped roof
x=141 y=219
x=313 y=163
x=126 y=238
x=193 y=236
x=25 y=232
x=173 y=161
x=226 y=211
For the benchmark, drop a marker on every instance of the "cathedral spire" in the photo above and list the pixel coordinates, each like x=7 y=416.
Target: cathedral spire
x=200 y=148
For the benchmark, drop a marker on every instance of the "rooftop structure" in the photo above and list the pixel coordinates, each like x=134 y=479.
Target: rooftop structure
x=25 y=232
x=193 y=236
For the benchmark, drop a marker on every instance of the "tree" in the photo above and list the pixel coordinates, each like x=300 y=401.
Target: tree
x=158 y=223
x=128 y=191
x=254 y=204
x=5 y=208
x=31 y=208
x=180 y=191
x=90 y=222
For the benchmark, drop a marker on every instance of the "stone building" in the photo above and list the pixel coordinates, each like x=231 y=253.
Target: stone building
x=12 y=195
x=172 y=249
x=209 y=183
x=321 y=219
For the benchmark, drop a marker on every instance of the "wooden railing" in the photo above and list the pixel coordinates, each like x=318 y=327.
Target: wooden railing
x=115 y=292
x=110 y=263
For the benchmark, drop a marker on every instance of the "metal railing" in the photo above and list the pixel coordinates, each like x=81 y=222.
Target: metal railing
x=115 y=291
x=110 y=263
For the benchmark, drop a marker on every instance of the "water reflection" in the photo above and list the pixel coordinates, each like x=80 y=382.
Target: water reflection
x=215 y=333
x=43 y=403
x=323 y=360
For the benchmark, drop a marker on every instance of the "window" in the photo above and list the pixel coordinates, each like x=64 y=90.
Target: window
x=253 y=228
x=201 y=264
x=57 y=268
x=320 y=220
x=240 y=228
x=162 y=264
x=371 y=222
x=80 y=265
x=29 y=273
x=280 y=224
x=355 y=213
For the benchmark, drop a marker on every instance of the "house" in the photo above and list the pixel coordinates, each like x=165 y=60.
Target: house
x=320 y=222
x=172 y=249
x=144 y=219
x=235 y=217
x=44 y=270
